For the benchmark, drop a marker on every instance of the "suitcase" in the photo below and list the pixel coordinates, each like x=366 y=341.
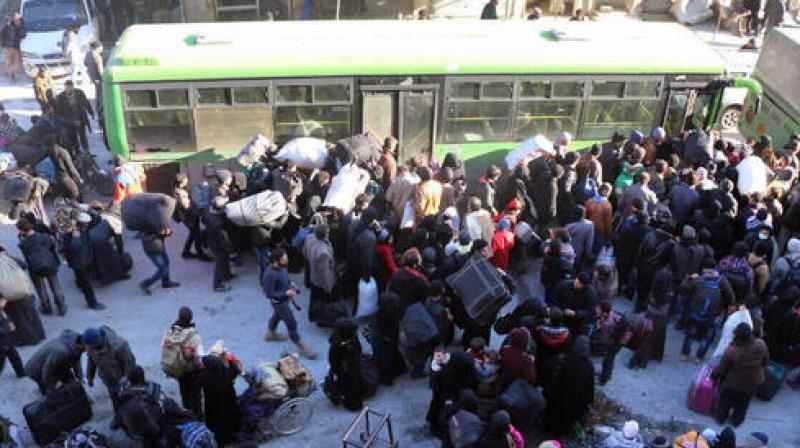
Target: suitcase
x=774 y=376
x=480 y=289
x=62 y=410
x=703 y=391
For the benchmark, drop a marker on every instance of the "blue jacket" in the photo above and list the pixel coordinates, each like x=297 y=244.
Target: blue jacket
x=276 y=282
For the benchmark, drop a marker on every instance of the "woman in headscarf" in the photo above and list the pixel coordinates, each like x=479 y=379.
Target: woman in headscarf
x=501 y=434
x=408 y=282
x=344 y=358
x=568 y=381
x=452 y=161
x=386 y=339
x=457 y=373
x=216 y=378
x=515 y=361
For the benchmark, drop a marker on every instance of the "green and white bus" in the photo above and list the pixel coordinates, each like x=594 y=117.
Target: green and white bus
x=777 y=111
x=471 y=87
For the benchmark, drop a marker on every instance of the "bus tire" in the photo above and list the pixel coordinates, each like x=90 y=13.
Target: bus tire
x=730 y=117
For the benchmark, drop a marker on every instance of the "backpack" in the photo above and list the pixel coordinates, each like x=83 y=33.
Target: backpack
x=465 y=428
x=140 y=413
x=196 y=435
x=706 y=299
x=739 y=284
x=178 y=350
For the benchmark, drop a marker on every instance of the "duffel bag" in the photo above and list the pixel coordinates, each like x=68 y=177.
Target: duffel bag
x=148 y=212
x=62 y=410
x=345 y=186
x=295 y=373
x=417 y=326
x=360 y=147
x=14 y=281
x=254 y=151
x=774 y=377
x=262 y=209
x=18 y=186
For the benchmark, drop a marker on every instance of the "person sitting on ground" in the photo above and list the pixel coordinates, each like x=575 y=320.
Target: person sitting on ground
x=344 y=359
x=627 y=437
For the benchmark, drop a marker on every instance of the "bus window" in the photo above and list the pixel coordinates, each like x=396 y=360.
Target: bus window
x=568 y=89
x=530 y=89
x=648 y=89
x=293 y=94
x=326 y=93
x=169 y=129
x=140 y=99
x=478 y=121
x=603 y=117
x=546 y=118
x=173 y=98
x=216 y=96
x=465 y=91
x=251 y=95
x=329 y=122
x=499 y=90
x=608 y=88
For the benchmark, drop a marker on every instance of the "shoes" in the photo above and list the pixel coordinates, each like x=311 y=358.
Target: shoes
x=169 y=284
x=222 y=288
x=233 y=276
x=204 y=257
x=46 y=310
x=145 y=289
x=305 y=351
x=684 y=357
x=62 y=310
x=97 y=306
x=273 y=335
x=188 y=255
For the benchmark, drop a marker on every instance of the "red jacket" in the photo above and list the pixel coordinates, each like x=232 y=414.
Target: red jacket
x=383 y=251
x=502 y=243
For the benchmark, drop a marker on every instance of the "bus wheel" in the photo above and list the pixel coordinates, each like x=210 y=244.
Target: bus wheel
x=730 y=117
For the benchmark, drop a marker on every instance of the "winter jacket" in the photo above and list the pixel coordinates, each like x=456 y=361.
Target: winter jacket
x=637 y=191
x=601 y=214
x=11 y=35
x=742 y=367
x=111 y=360
x=94 y=66
x=780 y=269
x=40 y=255
x=727 y=296
x=581 y=235
x=682 y=202
x=79 y=251
x=502 y=245
x=153 y=244
x=514 y=360
x=400 y=192
x=426 y=199
x=386 y=264
x=321 y=263
x=73 y=109
x=486 y=192
x=686 y=260
x=218 y=239
x=583 y=302
x=53 y=361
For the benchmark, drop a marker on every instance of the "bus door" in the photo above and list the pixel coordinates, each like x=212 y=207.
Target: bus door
x=690 y=107
x=405 y=112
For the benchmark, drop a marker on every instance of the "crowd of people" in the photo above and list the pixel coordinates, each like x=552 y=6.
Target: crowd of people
x=689 y=234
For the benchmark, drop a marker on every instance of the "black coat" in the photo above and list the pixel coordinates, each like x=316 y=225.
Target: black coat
x=543 y=188
x=80 y=255
x=682 y=202
x=409 y=287
x=108 y=264
x=39 y=250
x=459 y=373
x=221 y=406
x=73 y=109
x=218 y=239
x=566 y=203
x=57 y=360
x=569 y=389
x=29 y=325
x=344 y=358
x=782 y=330
x=582 y=302
x=361 y=254
x=386 y=341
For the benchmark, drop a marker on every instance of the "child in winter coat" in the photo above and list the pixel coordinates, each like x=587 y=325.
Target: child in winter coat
x=485 y=360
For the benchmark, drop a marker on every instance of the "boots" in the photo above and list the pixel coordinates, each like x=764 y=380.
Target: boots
x=305 y=351
x=273 y=335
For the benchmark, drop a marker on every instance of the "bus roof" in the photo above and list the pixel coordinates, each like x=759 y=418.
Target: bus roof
x=244 y=50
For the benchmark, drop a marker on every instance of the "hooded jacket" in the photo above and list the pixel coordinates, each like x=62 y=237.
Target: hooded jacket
x=515 y=362
x=112 y=359
x=742 y=366
x=52 y=362
x=40 y=254
x=321 y=263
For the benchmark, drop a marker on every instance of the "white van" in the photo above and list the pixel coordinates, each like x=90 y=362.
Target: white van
x=46 y=21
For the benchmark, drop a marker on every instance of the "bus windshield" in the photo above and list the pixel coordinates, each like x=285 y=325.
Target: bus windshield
x=53 y=15
x=778 y=66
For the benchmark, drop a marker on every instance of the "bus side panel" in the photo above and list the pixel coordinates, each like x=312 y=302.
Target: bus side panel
x=772 y=120
x=115 y=120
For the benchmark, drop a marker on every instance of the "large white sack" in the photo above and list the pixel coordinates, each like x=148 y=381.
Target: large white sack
x=254 y=150
x=740 y=316
x=528 y=150
x=752 y=175
x=306 y=152
x=345 y=186
x=691 y=12
x=262 y=209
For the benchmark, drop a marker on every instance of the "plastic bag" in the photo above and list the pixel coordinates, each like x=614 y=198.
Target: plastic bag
x=345 y=186
x=306 y=152
x=727 y=330
x=367 y=298
x=14 y=282
x=528 y=150
x=407 y=221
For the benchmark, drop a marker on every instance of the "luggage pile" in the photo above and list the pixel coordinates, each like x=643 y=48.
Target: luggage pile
x=262 y=209
x=18 y=186
x=148 y=212
x=62 y=410
x=270 y=381
x=252 y=152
